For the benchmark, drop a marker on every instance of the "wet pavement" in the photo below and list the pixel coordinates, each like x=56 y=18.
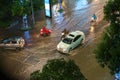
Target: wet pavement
x=85 y=58
x=19 y=64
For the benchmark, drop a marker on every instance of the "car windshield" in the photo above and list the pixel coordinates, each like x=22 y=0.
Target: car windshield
x=5 y=40
x=67 y=40
x=71 y=35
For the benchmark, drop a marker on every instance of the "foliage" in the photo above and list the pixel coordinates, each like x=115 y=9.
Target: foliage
x=54 y=2
x=38 y=4
x=25 y=29
x=108 y=50
x=35 y=75
x=112 y=11
x=14 y=9
x=17 y=8
x=60 y=10
x=58 y=69
x=5 y=12
x=20 y=8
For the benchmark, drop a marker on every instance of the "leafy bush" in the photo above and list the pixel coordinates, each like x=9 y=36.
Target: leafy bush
x=107 y=51
x=58 y=69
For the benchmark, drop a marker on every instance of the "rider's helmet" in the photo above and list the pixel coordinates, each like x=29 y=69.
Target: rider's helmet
x=94 y=16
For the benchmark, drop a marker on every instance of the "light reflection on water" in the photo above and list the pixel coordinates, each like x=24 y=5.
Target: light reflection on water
x=81 y=4
x=92 y=29
x=27 y=38
x=48 y=23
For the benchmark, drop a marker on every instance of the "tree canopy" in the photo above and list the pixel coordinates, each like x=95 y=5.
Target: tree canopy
x=5 y=11
x=108 y=50
x=12 y=9
x=112 y=11
x=58 y=69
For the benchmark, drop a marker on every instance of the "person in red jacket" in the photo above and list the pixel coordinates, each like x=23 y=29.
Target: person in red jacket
x=45 y=32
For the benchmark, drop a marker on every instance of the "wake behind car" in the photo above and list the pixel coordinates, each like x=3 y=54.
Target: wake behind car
x=72 y=40
x=12 y=43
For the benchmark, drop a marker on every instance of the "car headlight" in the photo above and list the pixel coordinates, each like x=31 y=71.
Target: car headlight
x=64 y=50
x=58 y=47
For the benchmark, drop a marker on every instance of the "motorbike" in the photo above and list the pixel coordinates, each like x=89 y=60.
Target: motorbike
x=62 y=35
x=45 y=32
x=92 y=21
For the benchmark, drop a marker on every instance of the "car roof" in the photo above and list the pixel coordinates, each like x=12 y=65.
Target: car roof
x=74 y=34
x=12 y=38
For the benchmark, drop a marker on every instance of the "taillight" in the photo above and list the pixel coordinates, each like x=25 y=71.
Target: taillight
x=41 y=30
x=50 y=31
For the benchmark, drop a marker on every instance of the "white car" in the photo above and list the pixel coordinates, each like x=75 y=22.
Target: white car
x=13 y=42
x=72 y=40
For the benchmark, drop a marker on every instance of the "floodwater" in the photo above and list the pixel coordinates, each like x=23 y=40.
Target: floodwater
x=76 y=16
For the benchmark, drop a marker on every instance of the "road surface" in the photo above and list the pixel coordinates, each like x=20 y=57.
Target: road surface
x=76 y=16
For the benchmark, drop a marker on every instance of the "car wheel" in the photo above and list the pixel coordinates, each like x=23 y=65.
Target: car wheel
x=69 y=50
x=44 y=35
x=82 y=41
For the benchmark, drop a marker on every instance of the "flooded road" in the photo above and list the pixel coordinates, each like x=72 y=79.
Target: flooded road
x=76 y=16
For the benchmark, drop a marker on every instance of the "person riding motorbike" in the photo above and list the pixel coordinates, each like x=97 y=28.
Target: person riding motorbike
x=45 y=32
x=93 y=18
x=64 y=33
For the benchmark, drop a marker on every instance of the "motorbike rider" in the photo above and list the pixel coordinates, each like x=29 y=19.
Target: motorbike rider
x=94 y=18
x=64 y=33
x=44 y=31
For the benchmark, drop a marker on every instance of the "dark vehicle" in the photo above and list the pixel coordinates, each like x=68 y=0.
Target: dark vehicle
x=12 y=43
